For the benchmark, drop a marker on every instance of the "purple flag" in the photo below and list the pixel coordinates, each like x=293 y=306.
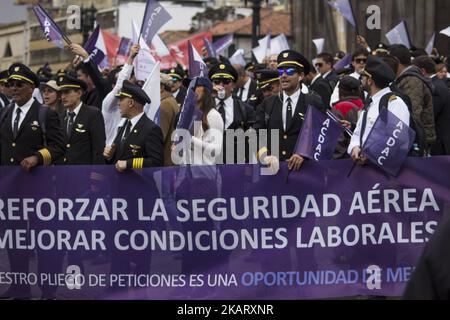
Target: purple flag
x=95 y=46
x=155 y=17
x=223 y=43
x=124 y=47
x=344 y=7
x=389 y=142
x=189 y=112
x=209 y=48
x=197 y=68
x=343 y=63
x=319 y=136
x=51 y=30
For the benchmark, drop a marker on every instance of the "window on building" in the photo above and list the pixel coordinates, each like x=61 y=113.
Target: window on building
x=8 y=51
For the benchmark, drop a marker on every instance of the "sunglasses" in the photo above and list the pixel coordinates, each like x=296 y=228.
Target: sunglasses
x=222 y=81
x=16 y=84
x=288 y=71
x=361 y=61
x=319 y=65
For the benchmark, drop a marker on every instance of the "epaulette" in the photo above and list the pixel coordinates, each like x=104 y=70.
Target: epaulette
x=392 y=98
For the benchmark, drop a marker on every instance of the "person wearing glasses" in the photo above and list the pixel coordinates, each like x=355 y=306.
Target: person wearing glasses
x=359 y=60
x=178 y=91
x=324 y=65
x=24 y=143
x=235 y=113
x=285 y=112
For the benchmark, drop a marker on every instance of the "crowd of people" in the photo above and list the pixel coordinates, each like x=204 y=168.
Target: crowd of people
x=84 y=115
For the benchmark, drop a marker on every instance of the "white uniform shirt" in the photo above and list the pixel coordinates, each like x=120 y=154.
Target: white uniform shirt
x=397 y=107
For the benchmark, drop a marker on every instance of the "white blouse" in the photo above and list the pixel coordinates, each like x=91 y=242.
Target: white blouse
x=206 y=146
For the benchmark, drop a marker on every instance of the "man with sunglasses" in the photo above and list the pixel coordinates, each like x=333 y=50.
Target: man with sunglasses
x=324 y=65
x=235 y=113
x=178 y=91
x=284 y=114
x=359 y=60
x=24 y=142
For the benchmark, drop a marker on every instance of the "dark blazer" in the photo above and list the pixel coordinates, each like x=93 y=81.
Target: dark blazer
x=181 y=95
x=30 y=139
x=323 y=89
x=86 y=141
x=270 y=116
x=4 y=101
x=441 y=108
x=251 y=91
x=95 y=96
x=243 y=118
x=332 y=78
x=144 y=147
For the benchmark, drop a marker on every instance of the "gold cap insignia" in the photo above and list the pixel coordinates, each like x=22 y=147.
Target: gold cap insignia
x=222 y=66
x=16 y=69
x=172 y=71
x=285 y=55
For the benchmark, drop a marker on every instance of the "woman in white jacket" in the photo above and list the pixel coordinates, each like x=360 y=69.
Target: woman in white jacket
x=206 y=143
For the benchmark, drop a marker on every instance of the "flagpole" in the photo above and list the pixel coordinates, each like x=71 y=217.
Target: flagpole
x=354 y=17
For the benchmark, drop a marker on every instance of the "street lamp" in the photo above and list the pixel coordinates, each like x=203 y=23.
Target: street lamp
x=256 y=20
x=88 y=16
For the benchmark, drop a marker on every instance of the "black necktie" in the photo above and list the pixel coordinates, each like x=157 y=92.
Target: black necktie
x=241 y=93
x=70 y=123
x=127 y=131
x=222 y=110
x=16 y=123
x=364 y=120
x=288 y=113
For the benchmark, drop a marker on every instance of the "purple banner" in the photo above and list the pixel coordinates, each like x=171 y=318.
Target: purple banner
x=155 y=17
x=124 y=47
x=209 y=48
x=197 y=68
x=223 y=43
x=89 y=232
x=344 y=7
x=319 y=136
x=95 y=46
x=51 y=30
x=389 y=142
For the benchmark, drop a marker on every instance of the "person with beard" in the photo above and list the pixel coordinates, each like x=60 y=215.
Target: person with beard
x=376 y=79
x=285 y=113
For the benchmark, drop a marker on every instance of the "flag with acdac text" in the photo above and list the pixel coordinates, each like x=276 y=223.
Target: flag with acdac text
x=389 y=142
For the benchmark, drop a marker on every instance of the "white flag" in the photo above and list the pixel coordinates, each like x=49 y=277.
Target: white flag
x=160 y=47
x=446 y=32
x=144 y=61
x=238 y=58
x=399 y=35
x=279 y=44
x=430 y=46
x=319 y=43
x=152 y=89
x=263 y=50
